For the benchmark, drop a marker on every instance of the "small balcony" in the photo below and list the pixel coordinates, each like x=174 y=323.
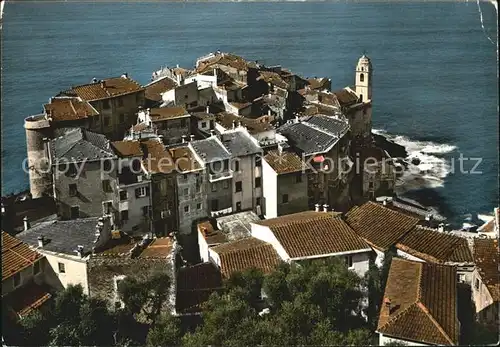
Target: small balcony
x=220 y=176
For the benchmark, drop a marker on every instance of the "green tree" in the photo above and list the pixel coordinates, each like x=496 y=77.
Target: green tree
x=146 y=297
x=36 y=328
x=248 y=284
x=80 y=320
x=166 y=332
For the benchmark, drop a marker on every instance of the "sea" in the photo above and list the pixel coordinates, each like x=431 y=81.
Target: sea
x=435 y=80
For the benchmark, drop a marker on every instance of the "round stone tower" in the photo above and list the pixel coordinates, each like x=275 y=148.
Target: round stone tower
x=38 y=133
x=364 y=78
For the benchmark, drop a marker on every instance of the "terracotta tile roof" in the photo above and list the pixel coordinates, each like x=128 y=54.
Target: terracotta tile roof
x=345 y=97
x=119 y=247
x=139 y=127
x=284 y=162
x=294 y=217
x=16 y=256
x=317 y=237
x=240 y=105
x=159 y=248
x=211 y=235
x=318 y=83
x=433 y=246
x=112 y=87
x=273 y=78
x=195 y=284
x=128 y=148
x=157 y=158
x=379 y=226
x=246 y=253
x=154 y=89
x=27 y=298
x=184 y=159
x=69 y=109
x=423 y=301
x=226 y=59
x=254 y=126
x=163 y=113
x=487 y=260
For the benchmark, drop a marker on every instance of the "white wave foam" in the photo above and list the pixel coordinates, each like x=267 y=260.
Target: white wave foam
x=485 y=217
x=482 y=23
x=426 y=168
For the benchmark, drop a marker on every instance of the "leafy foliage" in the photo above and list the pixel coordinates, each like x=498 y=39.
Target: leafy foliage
x=146 y=297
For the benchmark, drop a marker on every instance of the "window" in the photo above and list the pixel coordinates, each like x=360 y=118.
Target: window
x=141 y=192
x=121 y=118
x=362 y=77
x=72 y=189
x=258 y=161
x=225 y=184
x=237 y=166
x=124 y=215
x=239 y=187
x=107 y=207
x=238 y=206
x=36 y=268
x=145 y=211
x=477 y=284
x=72 y=170
x=183 y=123
x=203 y=124
x=284 y=198
x=198 y=188
x=257 y=182
x=361 y=97
x=75 y=212
x=214 y=187
x=106 y=186
x=198 y=206
x=107 y=165
x=61 y=267
x=105 y=104
x=123 y=195
x=120 y=103
x=348 y=261
x=215 y=205
x=460 y=278
x=298 y=179
x=106 y=121
x=184 y=177
x=258 y=201
x=186 y=191
x=17 y=280
x=370 y=185
x=186 y=208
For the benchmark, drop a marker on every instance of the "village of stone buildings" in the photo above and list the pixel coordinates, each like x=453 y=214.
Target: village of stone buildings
x=252 y=180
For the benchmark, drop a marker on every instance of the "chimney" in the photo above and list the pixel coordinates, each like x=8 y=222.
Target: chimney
x=26 y=223
x=103 y=84
x=234 y=124
x=296 y=118
x=191 y=137
x=386 y=308
x=177 y=66
x=316 y=207
x=325 y=208
x=239 y=123
x=441 y=228
x=384 y=202
x=207 y=109
x=79 y=251
x=178 y=77
x=125 y=75
x=269 y=112
x=183 y=138
x=41 y=241
x=94 y=80
x=212 y=132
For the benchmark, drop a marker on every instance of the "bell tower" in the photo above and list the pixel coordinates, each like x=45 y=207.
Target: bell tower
x=364 y=79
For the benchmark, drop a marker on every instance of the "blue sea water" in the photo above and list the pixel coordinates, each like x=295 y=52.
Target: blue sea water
x=435 y=71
